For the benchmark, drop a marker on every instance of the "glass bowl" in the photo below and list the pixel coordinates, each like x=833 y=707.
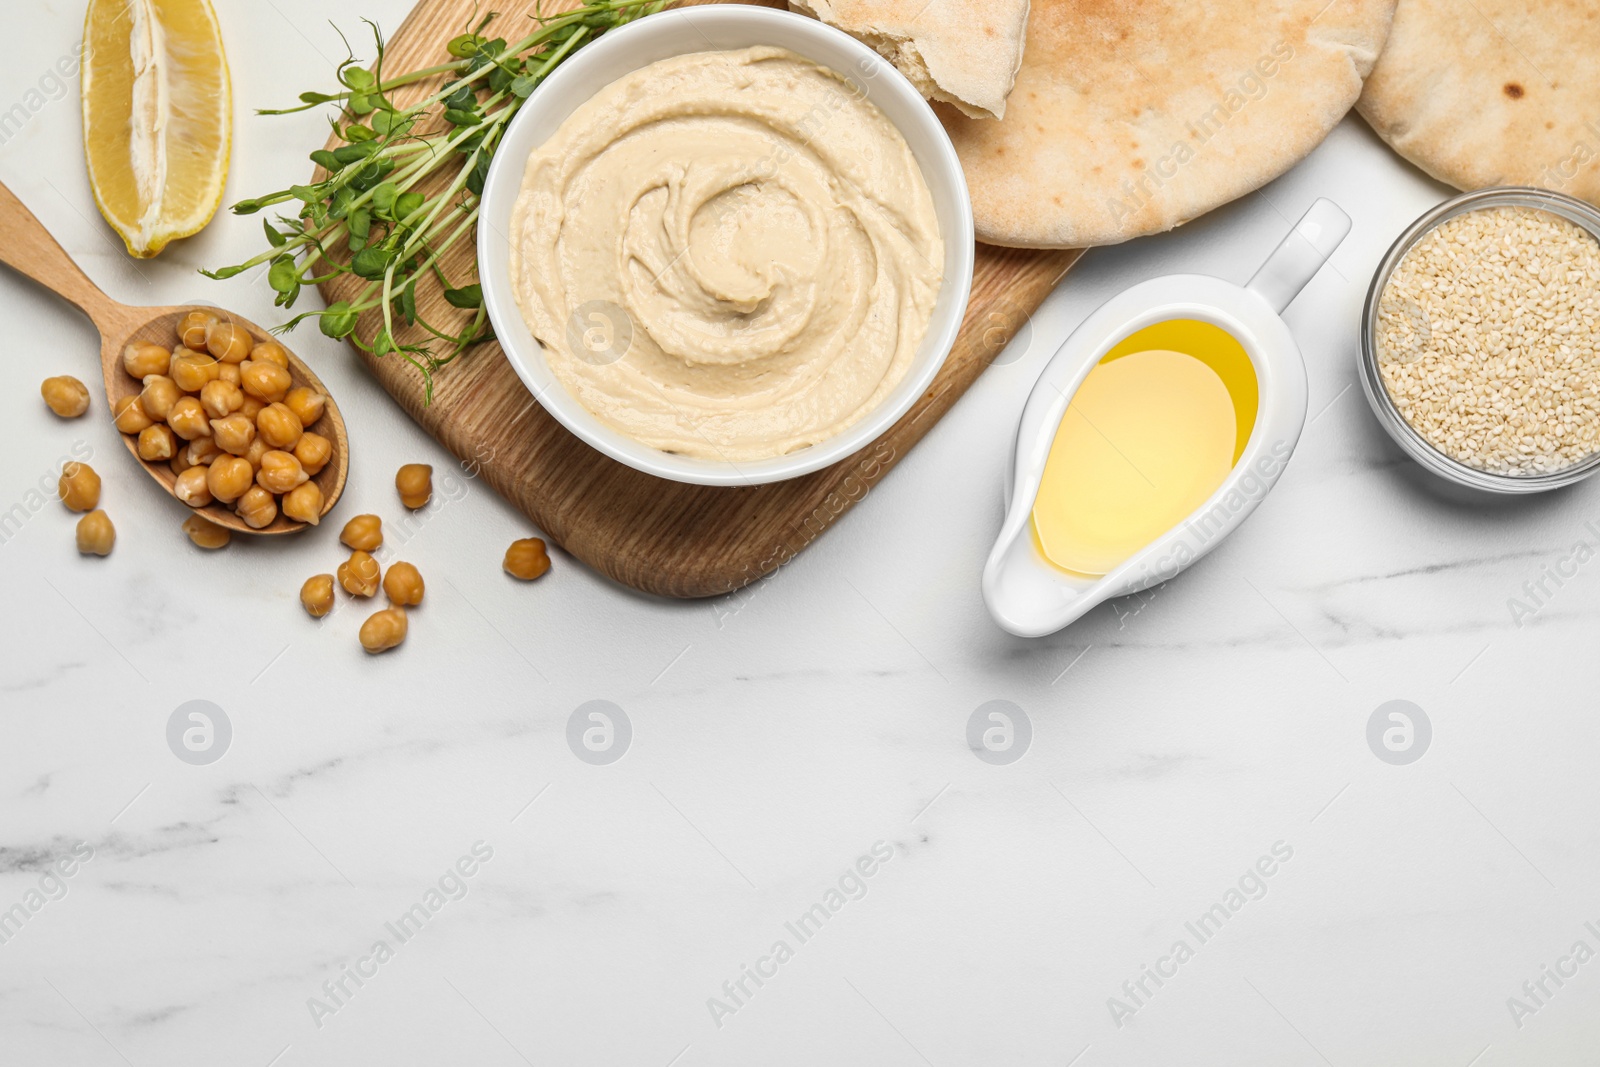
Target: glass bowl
x=1389 y=417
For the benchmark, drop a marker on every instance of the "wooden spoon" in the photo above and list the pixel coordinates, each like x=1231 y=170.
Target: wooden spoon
x=27 y=247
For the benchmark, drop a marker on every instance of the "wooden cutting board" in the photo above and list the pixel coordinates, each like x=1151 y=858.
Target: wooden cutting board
x=659 y=536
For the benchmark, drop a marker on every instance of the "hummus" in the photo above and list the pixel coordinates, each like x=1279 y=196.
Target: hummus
x=730 y=255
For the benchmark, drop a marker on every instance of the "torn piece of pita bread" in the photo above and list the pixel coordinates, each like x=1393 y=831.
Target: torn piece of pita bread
x=962 y=52
x=1493 y=93
x=1130 y=117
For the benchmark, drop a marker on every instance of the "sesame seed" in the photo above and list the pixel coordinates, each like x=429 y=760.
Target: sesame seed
x=1487 y=340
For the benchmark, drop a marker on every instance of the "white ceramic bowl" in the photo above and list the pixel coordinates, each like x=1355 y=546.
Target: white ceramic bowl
x=702 y=29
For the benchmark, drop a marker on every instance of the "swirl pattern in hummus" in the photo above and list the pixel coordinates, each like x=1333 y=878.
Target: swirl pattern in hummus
x=730 y=255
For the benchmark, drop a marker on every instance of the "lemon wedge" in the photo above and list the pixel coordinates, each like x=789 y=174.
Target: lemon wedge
x=157 y=117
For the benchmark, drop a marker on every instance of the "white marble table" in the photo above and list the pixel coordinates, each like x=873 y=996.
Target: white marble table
x=781 y=735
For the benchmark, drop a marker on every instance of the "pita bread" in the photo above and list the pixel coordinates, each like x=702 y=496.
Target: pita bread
x=963 y=52
x=1131 y=118
x=1493 y=93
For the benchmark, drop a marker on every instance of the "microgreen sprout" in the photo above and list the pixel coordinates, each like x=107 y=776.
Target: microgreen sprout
x=402 y=186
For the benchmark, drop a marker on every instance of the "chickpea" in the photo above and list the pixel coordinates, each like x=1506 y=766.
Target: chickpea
x=65 y=395
x=257 y=507
x=229 y=342
x=221 y=399
x=180 y=460
x=306 y=403
x=313 y=451
x=79 y=487
x=129 y=414
x=201 y=451
x=272 y=352
x=234 y=434
x=188 y=419
x=364 y=532
x=192 y=328
x=192 y=370
x=96 y=535
x=142 y=359
x=205 y=533
x=415 y=482
x=403 y=585
x=359 y=574
x=303 y=503
x=280 y=472
x=527 y=559
x=384 y=630
x=157 y=442
x=158 y=396
x=253 y=406
x=265 y=381
x=228 y=477
x=230 y=373
x=257 y=449
x=316 y=596
x=279 y=426
x=192 y=488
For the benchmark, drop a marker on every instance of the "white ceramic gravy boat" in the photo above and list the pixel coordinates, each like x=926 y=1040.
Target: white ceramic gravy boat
x=1030 y=597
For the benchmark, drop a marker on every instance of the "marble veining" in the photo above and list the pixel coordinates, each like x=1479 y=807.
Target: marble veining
x=160 y=912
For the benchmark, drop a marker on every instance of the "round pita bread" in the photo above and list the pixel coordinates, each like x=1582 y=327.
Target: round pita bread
x=1493 y=93
x=1132 y=118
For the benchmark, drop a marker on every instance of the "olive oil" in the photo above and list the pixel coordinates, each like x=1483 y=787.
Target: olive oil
x=1150 y=434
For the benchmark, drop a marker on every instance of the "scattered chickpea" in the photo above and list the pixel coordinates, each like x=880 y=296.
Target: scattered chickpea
x=403 y=585
x=96 y=535
x=265 y=381
x=142 y=358
x=316 y=596
x=303 y=503
x=235 y=434
x=130 y=415
x=306 y=403
x=359 y=574
x=230 y=373
x=257 y=507
x=65 y=395
x=201 y=451
x=193 y=326
x=313 y=451
x=79 y=487
x=192 y=370
x=229 y=342
x=192 y=488
x=280 y=472
x=205 y=533
x=272 y=352
x=228 y=477
x=158 y=396
x=415 y=482
x=221 y=399
x=188 y=419
x=279 y=426
x=384 y=630
x=527 y=559
x=364 y=532
x=156 y=443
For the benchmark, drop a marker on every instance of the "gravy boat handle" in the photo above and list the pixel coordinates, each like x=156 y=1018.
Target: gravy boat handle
x=1301 y=254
